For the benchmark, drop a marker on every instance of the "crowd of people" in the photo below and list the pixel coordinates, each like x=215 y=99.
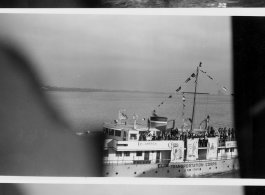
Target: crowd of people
x=224 y=134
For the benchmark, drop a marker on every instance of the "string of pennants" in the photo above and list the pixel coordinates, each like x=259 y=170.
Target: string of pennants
x=213 y=80
x=193 y=75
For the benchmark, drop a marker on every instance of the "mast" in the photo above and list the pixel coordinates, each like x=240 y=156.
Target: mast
x=194 y=100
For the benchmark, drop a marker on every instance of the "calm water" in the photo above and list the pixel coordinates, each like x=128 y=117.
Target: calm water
x=86 y=111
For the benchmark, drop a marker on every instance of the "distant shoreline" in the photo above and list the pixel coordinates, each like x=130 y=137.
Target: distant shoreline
x=73 y=89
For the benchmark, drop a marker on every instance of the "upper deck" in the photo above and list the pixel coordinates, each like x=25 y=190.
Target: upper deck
x=127 y=137
x=123 y=131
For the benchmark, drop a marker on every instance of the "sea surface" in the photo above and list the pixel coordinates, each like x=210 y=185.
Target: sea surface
x=86 y=111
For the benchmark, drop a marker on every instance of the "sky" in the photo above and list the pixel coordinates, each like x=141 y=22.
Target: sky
x=129 y=52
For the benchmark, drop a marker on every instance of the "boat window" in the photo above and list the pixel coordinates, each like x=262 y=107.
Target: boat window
x=146 y=155
x=133 y=136
x=117 y=133
x=124 y=136
x=158 y=153
x=118 y=153
x=231 y=149
x=107 y=131
x=139 y=153
x=106 y=153
x=227 y=150
x=126 y=153
x=111 y=132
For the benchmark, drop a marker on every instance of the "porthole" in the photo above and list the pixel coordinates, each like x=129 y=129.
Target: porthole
x=209 y=167
x=156 y=171
x=107 y=173
x=143 y=172
x=168 y=171
x=134 y=172
x=116 y=173
x=228 y=166
x=216 y=167
x=179 y=170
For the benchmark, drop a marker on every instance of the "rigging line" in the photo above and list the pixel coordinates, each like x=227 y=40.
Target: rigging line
x=219 y=86
x=207 y=106
x=207 y=97
x=182 y=94
x=185 y=82
x=194 y=100
x=175 y=92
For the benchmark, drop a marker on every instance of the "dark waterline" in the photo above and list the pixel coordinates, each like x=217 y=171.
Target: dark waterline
x=230 y=174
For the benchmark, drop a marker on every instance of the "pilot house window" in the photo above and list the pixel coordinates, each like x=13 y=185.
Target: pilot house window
x=107 y=131
x=133 y=136
x=124 y=136
x=111 y=132
x=126 y=153
x=138 y=153
x=117 y=133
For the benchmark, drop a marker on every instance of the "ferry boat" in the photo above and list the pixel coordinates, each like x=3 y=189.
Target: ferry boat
x=133 y=150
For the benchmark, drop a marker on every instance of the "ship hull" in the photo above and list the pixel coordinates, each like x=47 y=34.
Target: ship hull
x=172 y=170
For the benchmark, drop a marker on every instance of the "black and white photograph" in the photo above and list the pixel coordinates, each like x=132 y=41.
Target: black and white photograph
x=158 y=88
x=130 y=96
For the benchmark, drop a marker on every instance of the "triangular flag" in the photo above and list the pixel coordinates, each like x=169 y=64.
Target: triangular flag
x=124 y=116
x=178 y=89
x=200 y=64
x=210 y=77
x=224 y=88
x=193 y=75
x=187 y=80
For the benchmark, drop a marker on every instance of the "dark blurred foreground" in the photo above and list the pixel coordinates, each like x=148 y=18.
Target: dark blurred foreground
x=34 y=140
x=249 y=89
